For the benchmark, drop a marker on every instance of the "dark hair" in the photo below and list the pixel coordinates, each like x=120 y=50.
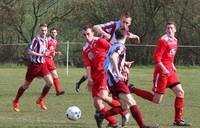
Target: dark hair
x=89 y=26
x=53 y=29
x=120 y=33
x=171 y=22
x=43 y=25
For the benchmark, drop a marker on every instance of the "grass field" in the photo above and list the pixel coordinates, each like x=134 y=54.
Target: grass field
x=31 y=116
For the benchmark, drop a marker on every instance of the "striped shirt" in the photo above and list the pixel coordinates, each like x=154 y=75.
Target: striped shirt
x=38 y=45
x=111 y=74
x=110 y=28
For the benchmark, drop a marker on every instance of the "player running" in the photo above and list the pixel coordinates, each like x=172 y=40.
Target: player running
x=52 y=46
x=36 y=68
x=165 y=74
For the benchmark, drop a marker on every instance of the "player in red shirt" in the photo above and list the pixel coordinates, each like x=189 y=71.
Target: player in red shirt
x=36 y=68
x=52 y=46
x=107 y=31
x=94 y=53
x=165 y=74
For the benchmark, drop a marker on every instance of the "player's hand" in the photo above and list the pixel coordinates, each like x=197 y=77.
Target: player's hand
x=58 y=53
x=166 y=72
x=129 y=63
x=121 y=77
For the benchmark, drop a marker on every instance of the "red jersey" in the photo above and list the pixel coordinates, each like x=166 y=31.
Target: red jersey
x=94 y=55
x=52 y=45
x=165 y=51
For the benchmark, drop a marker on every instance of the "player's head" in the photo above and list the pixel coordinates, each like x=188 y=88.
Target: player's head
x=88 y=33
x=125 y=20
x=43 y=30
x=171 y=28
x=120 y=34
x=53 y=32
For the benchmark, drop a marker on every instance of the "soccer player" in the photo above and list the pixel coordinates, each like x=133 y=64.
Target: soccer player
x=51 y=46
x=36 y=68
x=165 y=74
x=94 y=53
x=107 y=31
x=114 y=67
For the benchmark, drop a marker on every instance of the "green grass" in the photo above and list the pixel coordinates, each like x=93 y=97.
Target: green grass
x=30 y=115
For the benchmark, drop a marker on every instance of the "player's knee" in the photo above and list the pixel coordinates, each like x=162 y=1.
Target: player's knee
x=125 y=107
x=157 y=100
x=180 y=93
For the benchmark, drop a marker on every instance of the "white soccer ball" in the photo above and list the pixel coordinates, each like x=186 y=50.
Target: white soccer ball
x=73 y=113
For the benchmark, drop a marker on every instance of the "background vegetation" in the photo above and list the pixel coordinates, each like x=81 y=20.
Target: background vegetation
x=20 y=19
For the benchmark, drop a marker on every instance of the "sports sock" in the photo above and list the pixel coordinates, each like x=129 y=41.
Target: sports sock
x=19 y=93
x=123 y=113
x=110 y=119
x=142 y=93
x=114 y=103
x=56 y=84
x=45 y=91
x=113 y=111
x=83 y=78
x=178 y=108
x=137 y=115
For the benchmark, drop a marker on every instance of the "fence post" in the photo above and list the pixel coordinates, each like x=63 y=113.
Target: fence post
x=67 y=57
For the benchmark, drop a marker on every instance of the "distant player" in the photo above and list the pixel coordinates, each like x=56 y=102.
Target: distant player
x=52 y=46
x=114 y=67
x=165 y=74
x=36 y=68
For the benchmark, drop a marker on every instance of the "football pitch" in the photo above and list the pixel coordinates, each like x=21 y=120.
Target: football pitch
x=30 y=115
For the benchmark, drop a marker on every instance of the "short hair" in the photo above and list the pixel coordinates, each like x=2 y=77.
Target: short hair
x=53 y=29
x=125 y=15
x=43 y=25
x=171 y=22
x=120 y=33
x=89 y=26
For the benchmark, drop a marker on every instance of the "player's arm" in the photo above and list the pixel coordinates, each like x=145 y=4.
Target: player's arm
x=128 y=63
x=99 y=30
x=114 y=58
x=158 y=53
x=133 y=36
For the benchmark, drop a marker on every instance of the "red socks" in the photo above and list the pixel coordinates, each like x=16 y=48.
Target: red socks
x=110 y=119
x=144 y=94
x=56 y=85
x=137 y=115
x=178 y=108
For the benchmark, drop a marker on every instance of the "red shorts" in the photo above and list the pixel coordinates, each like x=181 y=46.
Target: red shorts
x=118 y=88
x=98 y=86
x=36 y=70
x=50 y=64
x=161 y=81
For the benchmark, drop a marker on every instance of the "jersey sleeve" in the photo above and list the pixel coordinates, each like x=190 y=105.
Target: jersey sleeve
x=120 y=50
x=104 y=44
x=86 y=60
x=161 y=46
x=107 y=25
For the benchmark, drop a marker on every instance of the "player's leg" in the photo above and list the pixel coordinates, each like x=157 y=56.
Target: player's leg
x=78 y=84
x=56 y=82
x=178 y=105
x=48 y=83
x=100 y=108
x=104 y=94
x=15 y=102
